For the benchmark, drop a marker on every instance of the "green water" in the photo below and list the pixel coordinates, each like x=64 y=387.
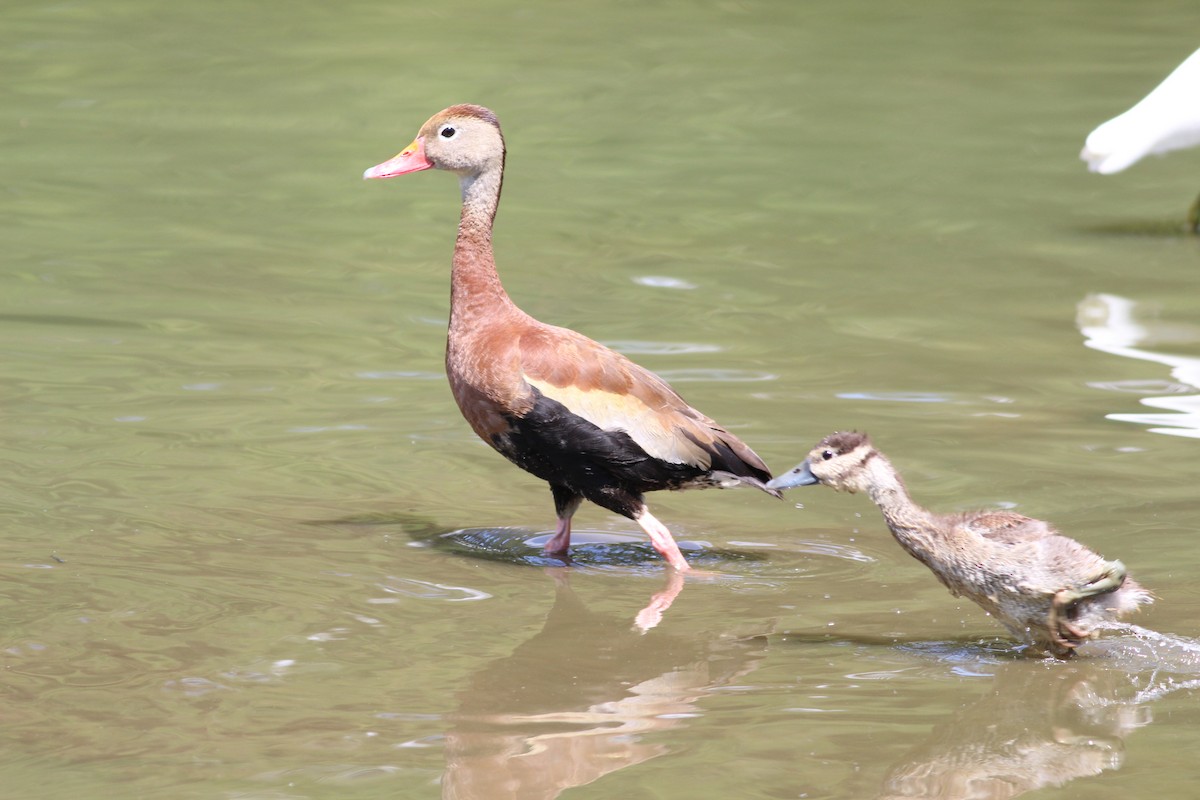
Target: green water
x=231 y=455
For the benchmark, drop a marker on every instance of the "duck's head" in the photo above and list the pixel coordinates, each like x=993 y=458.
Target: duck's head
x=463 y=139
x=838 y=461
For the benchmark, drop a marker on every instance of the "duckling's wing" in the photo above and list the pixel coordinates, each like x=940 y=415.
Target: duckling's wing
x=1006 y=527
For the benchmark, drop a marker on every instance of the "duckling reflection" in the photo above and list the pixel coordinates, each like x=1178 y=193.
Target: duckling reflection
x=1034 y=728
x=573 y=703
x=1109 y=323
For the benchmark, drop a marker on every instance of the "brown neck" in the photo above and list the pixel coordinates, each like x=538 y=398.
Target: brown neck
x=912 y=526
x=475 y=284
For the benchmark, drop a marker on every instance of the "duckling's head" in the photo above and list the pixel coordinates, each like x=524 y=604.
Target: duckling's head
x=464 y=139
x=838 y=461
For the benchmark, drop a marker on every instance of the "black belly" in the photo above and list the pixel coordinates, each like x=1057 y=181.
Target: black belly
x=607 y=467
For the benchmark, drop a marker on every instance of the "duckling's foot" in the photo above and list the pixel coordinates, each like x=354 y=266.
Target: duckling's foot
x=1064 y=599
x=1065 y=633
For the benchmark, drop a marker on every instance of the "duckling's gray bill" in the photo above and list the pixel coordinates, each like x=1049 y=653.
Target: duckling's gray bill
x=800 y=475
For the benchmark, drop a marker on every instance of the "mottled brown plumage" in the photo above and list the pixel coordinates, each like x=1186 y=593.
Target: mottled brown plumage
x=567 y=409
x=1048 y=590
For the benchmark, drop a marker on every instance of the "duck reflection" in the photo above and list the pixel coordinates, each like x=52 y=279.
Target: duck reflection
x=1036 y=727
x=591 y=548
x=1109 y=323
x=575 y=702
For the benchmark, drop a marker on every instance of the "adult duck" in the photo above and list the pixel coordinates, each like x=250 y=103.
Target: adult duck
x=1048 y=590
x=576 y=414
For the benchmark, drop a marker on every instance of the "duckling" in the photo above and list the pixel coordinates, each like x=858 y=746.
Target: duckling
x=1048 y=590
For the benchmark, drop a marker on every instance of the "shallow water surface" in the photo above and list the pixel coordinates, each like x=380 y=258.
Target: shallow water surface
x=253 y=551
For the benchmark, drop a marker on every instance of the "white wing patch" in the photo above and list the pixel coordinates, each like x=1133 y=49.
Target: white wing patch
x=653 y=432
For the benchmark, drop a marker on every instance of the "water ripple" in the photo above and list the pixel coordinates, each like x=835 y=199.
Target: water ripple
x=589 y=548
x=399 y=375
x=663 y=282
x=896 y=397
x=636 y=347
x=716 y=375
x=1143 y=387
x=426 y=590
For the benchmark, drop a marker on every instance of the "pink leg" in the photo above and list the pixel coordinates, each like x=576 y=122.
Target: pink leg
x=558 y=544
x=566 y=503
x=662 y=540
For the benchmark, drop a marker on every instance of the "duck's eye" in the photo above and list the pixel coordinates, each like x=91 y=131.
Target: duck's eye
x=828 y=454
x=447 y=131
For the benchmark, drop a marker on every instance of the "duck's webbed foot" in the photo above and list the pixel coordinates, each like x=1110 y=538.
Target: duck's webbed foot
x=1065 y=632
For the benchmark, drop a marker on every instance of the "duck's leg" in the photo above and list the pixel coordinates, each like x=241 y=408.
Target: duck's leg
x=1108 y=581
x=661 y=538
x=566 y=503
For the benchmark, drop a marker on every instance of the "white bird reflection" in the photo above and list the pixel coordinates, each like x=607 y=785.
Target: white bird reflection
x=1108 y=323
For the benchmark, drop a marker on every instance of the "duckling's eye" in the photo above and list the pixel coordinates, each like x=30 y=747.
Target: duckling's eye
x=447 y=131
x=828 y=454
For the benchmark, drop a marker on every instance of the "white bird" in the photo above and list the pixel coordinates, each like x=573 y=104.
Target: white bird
x=1166 y=119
